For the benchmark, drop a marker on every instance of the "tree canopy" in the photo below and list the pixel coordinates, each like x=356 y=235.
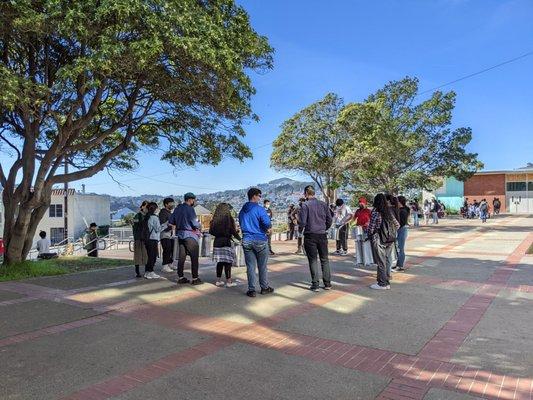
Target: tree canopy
x=400 y=144
x=312 y=142
x=90 y=82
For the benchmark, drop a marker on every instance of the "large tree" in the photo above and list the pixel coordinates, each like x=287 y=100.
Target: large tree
x=311 y=142
x=404 y=144
x=90 y=82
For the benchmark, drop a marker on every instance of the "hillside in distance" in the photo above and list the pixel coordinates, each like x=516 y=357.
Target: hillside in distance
x=281 y=192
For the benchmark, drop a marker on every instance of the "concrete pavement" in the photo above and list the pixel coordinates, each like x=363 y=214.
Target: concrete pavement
x=456 y=325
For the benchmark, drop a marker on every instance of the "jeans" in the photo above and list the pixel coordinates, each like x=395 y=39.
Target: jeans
x=151 y=250
x=316 y=245
x=416 y=221
x=343 y=238
x=483 y=216
x=256 y=256
x=435 y=217
x=381 y=253
x=290 y=233
x=389 y=257
x=188 y=246
x=402 y=237
x=166 y=245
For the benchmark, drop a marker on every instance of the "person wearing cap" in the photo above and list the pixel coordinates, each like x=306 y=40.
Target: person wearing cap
x=187 y=229
x=255 y=225
x=314 y=221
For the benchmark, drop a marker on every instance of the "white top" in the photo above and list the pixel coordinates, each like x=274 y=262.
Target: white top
x=43 y=246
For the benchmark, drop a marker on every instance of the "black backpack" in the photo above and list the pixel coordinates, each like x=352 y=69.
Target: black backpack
x=145 y=231
x=387 y=231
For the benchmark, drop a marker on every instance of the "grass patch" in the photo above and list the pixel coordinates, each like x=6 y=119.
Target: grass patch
x=530 y=250
x=58 y=266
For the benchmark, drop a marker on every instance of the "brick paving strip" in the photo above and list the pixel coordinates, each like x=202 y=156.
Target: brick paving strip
x=451 y=336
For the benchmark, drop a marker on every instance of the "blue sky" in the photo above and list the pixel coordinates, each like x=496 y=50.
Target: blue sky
x=353 y=48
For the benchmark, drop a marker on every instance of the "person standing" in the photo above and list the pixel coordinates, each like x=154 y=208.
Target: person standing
x=427 y=211
x=496 y=205
x=188 y=231
x=290 y=222
x=166 y=234
x=140 y=257
x=268 y=210
x=382 y=230
x=255 y=225
x=314 y=222
x=402 y=233
x=483 y=210
x=415 y=209
x=435 y=208
x=152 y=232
x=362 y=219
x=343 y=215
x=223 y=229
x=92 y=240
x=299 y=236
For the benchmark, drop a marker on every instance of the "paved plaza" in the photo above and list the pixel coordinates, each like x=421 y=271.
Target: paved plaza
x=456 y=325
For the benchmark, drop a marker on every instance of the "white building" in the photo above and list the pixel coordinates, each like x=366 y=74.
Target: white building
x=82 y=209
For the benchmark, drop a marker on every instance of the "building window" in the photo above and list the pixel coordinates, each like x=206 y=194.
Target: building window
x=530 y=186
x=56 y=210
x=516 y=186
x=57 y=235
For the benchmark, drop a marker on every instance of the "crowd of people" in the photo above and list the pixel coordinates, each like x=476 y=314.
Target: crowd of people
x=480 y=209
x=384 y=227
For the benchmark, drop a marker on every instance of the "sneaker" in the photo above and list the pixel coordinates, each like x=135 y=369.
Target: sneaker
x=314 y=288
x=272 y=253
x=393 y=270
x=327 y=286
x=267 y=290
x=250 y=293
x=197 y=281
x=138 y=276
x=166 y=268
x=400 y=269
x=173 y=267
x=231 y=284
x=387 y=287
x=378 y=287
x=151 y=275
x=183 y=280
x=219 y=283
x=337 y=252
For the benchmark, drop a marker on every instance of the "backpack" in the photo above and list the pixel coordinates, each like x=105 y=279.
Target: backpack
x=145 y=230
x=387 y=231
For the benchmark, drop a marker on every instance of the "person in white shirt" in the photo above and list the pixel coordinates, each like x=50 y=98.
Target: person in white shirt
x=343 y=215
x=43 y=247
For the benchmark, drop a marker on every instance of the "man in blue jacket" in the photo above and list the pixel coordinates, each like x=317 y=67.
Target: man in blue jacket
x=255 y=226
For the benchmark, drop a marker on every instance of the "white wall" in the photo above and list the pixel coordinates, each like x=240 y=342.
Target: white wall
x=92 y=207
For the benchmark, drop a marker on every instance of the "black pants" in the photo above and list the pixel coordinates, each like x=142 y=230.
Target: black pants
x=342 y=242
x=166 y=245
x=226 y=267
x=269 y=238
x=316 y=245
x=290 y=233
x=151 y=250
x=382 y=253
x=92 y=252
x=191 y=248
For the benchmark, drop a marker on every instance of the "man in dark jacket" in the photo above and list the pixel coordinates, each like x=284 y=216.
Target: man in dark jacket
x=314 y=221
x=270 y=214
x=188 y=231
x=166 y=234
x=92 y=240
